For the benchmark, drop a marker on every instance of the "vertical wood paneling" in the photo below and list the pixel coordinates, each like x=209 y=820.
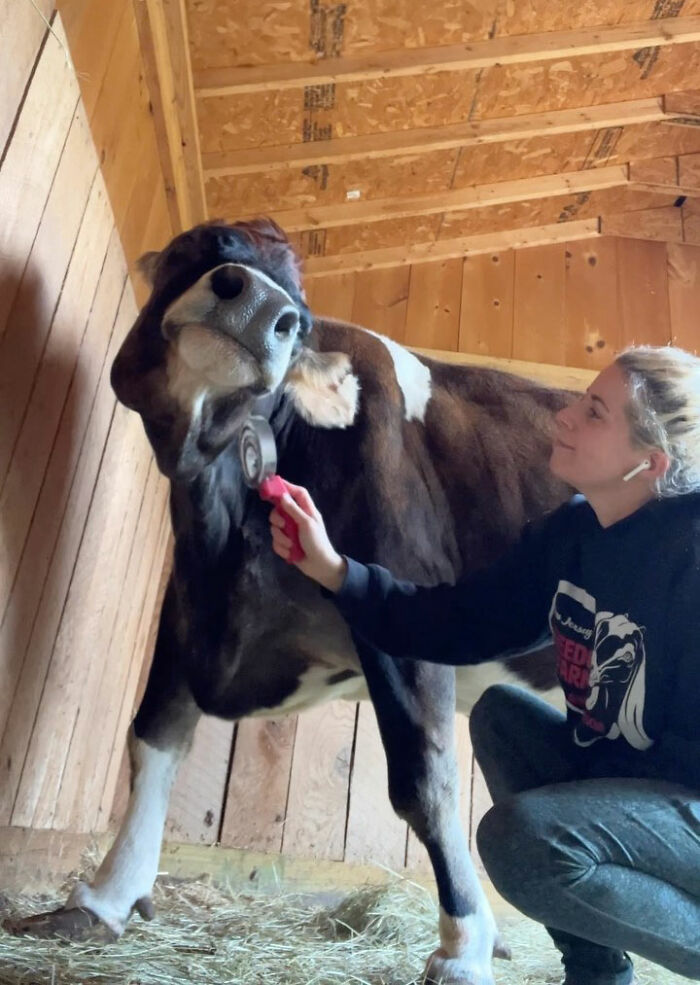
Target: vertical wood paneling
x=87 y=617
x=139 y=665
x=374 y=832
x=486 y=319
x=92 y=38
x=197 y=799
x=22 y=30
x=31 y=161
x=643 y=292
x=381 y=299
x=82 y=531
x=592 y=323
x=55 y=374
x=333 y=296
x=539 y=305
x=434 y=298
x=104 y=45
x=256 y=802
x=319 y=780
x=30 y=316
x=684 y=295
x=29 y=629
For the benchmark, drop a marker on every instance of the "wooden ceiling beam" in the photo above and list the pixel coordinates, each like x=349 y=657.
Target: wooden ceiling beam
x=162 y=26
x=683 y=108
x=442 y=249
x=401 y=142
x=498 y=193
x=518 y=49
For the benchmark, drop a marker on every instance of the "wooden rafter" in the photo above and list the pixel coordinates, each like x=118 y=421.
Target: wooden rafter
x=683 y=108
x=464 y=246
x=164 y=44
x=396 y=143
x=498 y=193
x=683 y=103
x=519 y=49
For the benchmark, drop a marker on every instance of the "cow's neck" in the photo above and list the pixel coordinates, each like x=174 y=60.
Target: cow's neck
x=210 y=508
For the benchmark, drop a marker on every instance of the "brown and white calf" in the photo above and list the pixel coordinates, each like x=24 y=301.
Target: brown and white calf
x=430 y=469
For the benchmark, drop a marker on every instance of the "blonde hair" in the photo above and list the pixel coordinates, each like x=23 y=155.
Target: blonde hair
x=664 y=410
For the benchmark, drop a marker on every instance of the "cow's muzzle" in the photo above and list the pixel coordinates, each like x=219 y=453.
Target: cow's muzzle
x=246 y=307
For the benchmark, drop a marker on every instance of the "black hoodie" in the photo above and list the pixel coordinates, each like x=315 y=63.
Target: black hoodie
x=621 y=603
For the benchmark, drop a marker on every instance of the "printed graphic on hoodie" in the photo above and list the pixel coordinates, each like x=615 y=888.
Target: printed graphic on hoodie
x=601 y=666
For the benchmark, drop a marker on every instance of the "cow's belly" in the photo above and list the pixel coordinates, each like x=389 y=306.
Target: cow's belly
x=316 y=686
x=315 y=635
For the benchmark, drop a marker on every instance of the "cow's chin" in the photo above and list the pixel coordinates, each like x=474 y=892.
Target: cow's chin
x=203 y=361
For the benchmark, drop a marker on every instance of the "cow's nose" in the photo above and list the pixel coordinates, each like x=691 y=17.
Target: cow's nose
x=227 y=282
x=287 y=323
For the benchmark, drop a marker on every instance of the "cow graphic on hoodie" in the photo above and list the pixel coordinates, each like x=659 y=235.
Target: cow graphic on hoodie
x=601 y=665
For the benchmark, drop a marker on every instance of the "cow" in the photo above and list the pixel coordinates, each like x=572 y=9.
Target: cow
x=427 y=467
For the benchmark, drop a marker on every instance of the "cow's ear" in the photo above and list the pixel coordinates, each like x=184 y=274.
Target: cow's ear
x=323 y=388
x=147 y=265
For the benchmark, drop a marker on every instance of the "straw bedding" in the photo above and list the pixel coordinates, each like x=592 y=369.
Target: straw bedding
x=218 y=936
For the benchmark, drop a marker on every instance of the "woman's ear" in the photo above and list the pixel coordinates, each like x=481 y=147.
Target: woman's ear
x=658 y=464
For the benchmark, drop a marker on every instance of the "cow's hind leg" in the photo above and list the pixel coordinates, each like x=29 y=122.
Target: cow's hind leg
x=159 y=738
x=415 y=706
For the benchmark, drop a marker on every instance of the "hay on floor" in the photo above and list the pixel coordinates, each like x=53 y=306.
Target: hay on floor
x=214 y=936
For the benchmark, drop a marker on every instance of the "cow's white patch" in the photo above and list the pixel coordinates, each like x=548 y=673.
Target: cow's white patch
x=130 y=867
x=412 y=376
x=473 y=681
x=466 y=947
x=314 y=689
x=324 y=389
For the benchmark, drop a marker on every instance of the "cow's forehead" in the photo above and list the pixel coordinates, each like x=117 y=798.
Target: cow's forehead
x=191 y=254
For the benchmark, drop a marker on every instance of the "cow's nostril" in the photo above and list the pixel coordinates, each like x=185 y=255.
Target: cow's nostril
x=286 y=323
x=227 y=283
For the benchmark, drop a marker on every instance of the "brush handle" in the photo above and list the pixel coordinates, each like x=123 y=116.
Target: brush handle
x=272 y=490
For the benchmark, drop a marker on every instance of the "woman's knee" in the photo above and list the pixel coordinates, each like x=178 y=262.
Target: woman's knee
x=493 y=708
x=514 y=850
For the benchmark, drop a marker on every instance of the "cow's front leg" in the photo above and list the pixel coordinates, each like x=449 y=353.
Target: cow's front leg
x=415 y=706
x=158 y=740
x=124 y=881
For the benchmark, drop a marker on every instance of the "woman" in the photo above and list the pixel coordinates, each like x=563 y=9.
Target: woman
x=595 y=828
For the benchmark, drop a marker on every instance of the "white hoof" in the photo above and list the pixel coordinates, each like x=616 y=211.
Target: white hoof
x=112 y=912
x=443 y=970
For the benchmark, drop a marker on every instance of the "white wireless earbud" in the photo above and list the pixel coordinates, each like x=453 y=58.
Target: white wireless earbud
x=646 y=464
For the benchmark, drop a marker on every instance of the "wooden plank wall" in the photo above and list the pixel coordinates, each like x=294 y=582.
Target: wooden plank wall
x=315 y=785
x=83 y=524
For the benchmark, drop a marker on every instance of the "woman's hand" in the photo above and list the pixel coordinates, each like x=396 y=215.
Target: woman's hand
x=322 y=562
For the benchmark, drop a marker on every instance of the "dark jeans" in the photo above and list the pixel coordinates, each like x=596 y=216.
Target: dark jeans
x=607 y=865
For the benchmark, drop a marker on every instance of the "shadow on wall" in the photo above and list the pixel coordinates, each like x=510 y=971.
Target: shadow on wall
x=39 y=379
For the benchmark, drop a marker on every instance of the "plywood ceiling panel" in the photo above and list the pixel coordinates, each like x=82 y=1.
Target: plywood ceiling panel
x=304 y=105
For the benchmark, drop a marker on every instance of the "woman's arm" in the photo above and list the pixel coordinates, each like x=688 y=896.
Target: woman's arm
x=502 y=608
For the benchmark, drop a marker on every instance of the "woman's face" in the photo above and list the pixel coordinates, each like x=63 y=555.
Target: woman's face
x=592 y=447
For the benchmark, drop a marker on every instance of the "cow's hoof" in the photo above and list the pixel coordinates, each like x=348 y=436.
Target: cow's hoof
x=501 y=950
x=441 y=970
x=70 y=923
